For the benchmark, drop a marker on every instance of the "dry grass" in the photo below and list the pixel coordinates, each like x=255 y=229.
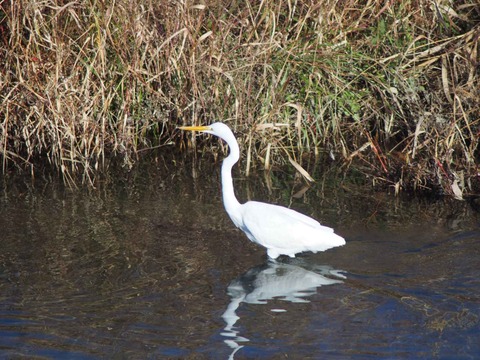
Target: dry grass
x=390 y=89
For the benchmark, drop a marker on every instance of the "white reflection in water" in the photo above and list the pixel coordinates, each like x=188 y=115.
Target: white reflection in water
x=273 y=280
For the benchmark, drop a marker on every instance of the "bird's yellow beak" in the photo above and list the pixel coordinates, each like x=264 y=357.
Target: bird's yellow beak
x=195 y=128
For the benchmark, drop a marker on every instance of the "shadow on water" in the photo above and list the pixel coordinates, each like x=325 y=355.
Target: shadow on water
x=150 y=266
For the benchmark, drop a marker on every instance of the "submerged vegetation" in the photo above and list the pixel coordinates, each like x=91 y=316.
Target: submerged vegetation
x=388 y=89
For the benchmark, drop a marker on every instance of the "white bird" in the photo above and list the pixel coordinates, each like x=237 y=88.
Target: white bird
x=280 y=230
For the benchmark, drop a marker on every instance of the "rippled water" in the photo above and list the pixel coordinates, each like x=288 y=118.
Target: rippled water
x=151 y=267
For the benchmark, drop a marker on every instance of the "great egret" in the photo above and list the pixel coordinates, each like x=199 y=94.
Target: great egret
x=281 y=230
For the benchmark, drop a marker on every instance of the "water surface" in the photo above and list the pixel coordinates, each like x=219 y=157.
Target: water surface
x=150 y=266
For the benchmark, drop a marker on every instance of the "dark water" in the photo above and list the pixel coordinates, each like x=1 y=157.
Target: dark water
x=150 y=267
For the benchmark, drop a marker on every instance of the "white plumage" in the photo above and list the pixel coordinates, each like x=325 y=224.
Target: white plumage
x=280 y=230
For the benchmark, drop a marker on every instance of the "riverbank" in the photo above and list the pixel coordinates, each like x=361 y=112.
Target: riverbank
x=388 y=90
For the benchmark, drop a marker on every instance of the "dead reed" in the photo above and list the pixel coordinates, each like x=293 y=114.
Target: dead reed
x=390 y=89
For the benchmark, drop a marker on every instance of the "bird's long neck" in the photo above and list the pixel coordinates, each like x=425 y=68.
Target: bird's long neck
x=229 y=199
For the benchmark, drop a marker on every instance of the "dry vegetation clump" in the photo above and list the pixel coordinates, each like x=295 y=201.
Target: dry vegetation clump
x=390 y=89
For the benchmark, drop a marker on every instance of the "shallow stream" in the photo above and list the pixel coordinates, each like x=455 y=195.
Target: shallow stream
x=150 y=267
